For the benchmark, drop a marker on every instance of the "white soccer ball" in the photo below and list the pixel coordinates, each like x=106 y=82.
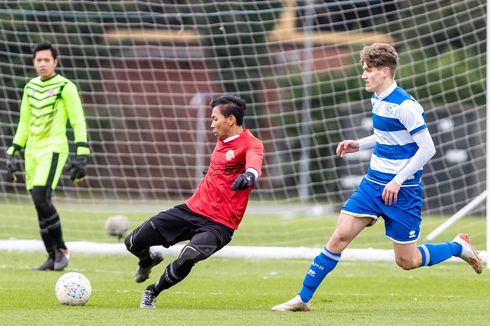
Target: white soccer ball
x=73 y=289
x=116 y=225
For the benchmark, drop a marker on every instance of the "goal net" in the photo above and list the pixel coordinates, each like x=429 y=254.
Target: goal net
x=146 y=71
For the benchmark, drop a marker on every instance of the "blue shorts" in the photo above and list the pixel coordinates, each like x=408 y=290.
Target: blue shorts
x=402 y=219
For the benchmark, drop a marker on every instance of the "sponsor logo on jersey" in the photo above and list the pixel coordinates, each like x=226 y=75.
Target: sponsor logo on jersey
x=51 y=92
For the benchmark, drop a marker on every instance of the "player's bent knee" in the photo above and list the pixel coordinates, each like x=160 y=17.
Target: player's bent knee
x=130 y=244
x=190 y=256
x=338 y=242
x=407 y=263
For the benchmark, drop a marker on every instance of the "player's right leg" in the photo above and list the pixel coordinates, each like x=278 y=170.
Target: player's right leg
x=138 y=242
x=358 y=212
x=348 y=227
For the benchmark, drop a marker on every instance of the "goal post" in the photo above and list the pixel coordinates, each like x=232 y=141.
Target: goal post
x=146 y=71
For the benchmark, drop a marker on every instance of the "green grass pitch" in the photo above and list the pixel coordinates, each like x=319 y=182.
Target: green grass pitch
x=223 y=291
x=241 y=292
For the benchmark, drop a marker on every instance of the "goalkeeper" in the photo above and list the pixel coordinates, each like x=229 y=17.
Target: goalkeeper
x=47 y=102
x=210 y=216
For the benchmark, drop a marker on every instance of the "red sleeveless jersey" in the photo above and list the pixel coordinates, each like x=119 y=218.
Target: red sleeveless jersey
x=213 y=197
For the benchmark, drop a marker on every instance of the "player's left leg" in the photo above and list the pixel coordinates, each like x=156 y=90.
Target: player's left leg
x=402 y=224
x=410 y=256
x=42 y=179
x=201 y=246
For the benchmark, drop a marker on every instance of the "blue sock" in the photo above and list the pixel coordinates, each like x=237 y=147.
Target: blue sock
x=435 y=253
x=321 y=266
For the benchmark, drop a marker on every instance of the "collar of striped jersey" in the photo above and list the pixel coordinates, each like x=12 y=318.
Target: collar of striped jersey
x=386 y=92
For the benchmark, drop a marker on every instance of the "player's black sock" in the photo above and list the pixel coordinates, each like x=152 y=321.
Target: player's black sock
x=48 y=241
x=49 y=220
x=174 y=273
x=54 y=227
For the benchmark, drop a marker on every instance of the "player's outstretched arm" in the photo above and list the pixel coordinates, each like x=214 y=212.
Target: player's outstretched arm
x=347 y=146
x=243 y=181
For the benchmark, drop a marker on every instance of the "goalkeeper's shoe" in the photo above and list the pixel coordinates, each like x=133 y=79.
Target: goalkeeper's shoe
x=468 y=253
x=48 y=265
x=143 y=273
x=295 y=304
x=61 y=258
x=148 y=300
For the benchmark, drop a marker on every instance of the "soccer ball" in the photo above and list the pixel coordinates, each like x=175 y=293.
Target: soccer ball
x=116 y=226
x=73 y=289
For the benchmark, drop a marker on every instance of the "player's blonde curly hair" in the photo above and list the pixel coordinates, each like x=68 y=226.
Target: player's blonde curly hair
x=380 y=55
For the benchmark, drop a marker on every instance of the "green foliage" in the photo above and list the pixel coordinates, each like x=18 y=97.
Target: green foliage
x=235 y=41
x=329 y=90
x=437 y=25
x=455 y=76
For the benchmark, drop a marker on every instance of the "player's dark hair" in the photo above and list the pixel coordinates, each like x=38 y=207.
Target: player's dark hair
x=231 y=105
x=45 y=46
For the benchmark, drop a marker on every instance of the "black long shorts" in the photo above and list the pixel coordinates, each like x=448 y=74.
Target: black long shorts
x=180 y=223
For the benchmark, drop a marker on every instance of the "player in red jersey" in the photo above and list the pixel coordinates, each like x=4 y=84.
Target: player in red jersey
x=211 y=215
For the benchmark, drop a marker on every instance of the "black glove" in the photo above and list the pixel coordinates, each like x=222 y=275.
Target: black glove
x=12 y=153
x=78 y=168
x=11 y=168
x=243 y=181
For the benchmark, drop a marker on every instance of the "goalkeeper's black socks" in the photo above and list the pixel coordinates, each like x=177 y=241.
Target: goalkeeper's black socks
x=54 y=227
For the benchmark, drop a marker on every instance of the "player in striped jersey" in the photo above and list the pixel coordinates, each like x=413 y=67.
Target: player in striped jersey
x=48 y=101
x=210 y=216
x=392 y=188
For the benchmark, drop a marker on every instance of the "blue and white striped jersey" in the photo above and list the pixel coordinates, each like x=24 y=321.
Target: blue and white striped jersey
x=397 y=116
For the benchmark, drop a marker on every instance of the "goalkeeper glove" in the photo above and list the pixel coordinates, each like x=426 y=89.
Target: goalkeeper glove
x=12 y=153
x=78 y=168
x=78 y=165
x=243 y=181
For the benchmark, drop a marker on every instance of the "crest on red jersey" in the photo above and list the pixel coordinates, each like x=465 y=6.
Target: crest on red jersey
x=230 y=155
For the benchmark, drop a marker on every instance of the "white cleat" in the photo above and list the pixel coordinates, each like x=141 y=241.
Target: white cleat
x=468 y=254
x=295 y=304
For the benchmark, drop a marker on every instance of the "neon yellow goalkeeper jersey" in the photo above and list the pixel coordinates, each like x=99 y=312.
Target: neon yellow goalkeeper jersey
x=46 y=106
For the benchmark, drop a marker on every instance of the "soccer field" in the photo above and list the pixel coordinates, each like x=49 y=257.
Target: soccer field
x=241 y=292
x=222 y=291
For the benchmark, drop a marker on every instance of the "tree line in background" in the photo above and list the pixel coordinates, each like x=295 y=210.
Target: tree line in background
x=443 y=47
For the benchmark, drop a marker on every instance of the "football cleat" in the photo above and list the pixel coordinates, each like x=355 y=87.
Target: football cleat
x=143 y=273
x=48 y=265
x=468 y=253
x=295 y=304
x=148 y=300
x=61 y=258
